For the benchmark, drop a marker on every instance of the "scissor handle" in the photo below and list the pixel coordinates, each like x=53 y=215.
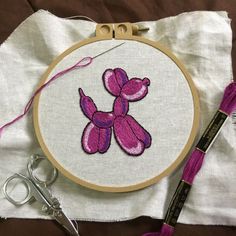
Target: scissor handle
x=26 y=182
x=33 y=164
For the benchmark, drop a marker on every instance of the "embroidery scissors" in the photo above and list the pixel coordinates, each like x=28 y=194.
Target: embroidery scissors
x=37 y=190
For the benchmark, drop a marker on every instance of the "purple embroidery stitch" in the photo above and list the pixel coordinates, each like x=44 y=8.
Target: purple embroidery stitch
x=129 y=134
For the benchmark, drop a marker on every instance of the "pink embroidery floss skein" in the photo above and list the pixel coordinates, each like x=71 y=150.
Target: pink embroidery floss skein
x=82 y=63
x=195 y=161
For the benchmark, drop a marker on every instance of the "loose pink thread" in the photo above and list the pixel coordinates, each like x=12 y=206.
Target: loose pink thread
x=82 y=63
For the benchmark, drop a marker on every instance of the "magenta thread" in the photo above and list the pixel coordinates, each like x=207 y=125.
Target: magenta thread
x=80 y=64
x=228 y=104
x=129 y=134
x=166 y=230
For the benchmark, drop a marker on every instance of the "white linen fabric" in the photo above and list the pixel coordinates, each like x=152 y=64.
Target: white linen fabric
x=201 y=40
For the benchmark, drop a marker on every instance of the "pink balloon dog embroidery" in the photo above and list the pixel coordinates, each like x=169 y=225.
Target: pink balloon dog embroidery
x=129 y=134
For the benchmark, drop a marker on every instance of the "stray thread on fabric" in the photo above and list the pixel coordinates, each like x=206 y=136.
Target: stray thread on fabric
x=80 y=64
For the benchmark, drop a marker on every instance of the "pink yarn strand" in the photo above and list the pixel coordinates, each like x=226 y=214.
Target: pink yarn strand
x=193 y=165
x=166 y=230
x=228 y=104
x=80 y=64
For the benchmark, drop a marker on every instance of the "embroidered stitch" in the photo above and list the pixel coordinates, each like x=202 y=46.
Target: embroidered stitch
x=129 y=134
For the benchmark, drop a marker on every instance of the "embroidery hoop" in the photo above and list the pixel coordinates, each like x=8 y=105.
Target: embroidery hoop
x=122 y=31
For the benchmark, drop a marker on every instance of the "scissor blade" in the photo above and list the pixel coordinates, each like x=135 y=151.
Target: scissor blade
x=41 y=193
x=66 y=223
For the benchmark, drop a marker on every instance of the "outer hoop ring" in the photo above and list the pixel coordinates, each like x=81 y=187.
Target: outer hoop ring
x=151 y=181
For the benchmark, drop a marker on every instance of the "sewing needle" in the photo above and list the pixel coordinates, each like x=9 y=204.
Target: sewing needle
x=108 y=50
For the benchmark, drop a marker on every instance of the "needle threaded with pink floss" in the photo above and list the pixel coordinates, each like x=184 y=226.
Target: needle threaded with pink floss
x=82 y=63
x=195 y=161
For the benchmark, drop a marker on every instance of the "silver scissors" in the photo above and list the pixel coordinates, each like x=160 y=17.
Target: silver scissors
x=37 y=190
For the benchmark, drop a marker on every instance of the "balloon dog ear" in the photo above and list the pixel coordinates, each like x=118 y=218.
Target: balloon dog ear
x=114 y=80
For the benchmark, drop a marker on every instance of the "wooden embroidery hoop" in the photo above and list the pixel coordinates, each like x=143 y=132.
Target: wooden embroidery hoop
x=122 y=31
